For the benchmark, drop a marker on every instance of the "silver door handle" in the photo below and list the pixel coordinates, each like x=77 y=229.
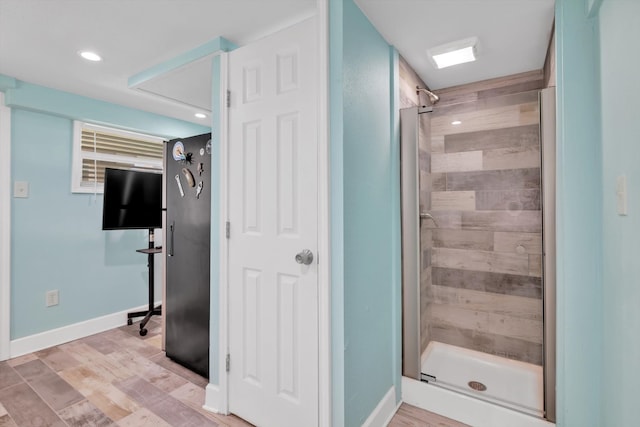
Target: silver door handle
x=305 y=257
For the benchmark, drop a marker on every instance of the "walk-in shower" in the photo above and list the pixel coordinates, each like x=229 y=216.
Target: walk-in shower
x=477 y=225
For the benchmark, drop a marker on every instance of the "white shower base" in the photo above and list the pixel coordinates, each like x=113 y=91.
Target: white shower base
x=516 y=385
x=510 y=384
x=463 y=408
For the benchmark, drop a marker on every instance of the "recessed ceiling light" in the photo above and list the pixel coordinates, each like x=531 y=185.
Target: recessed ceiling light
x=456 y=122
x=454 y=53
x=90 y=56
x=201 y=115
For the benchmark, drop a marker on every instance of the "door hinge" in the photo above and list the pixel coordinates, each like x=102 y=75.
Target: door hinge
x=228 y=229
x=228 y=98
x=228 y=362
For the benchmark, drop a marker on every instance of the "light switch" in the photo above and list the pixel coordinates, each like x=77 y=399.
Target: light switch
x=621 y=195
x=21 y=189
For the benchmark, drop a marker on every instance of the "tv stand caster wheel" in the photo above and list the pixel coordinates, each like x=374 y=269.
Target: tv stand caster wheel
x=143 y=332
x=129 y=322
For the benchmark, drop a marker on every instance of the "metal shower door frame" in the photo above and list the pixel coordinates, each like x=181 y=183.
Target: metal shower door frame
x=409 y=122
x=410 y=224
x=547 y=103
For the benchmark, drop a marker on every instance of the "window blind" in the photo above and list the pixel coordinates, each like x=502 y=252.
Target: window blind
x=98 y=147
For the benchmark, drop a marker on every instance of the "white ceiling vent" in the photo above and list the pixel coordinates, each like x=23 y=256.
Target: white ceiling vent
x=454 y=53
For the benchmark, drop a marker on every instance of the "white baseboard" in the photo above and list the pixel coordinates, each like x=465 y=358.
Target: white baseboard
x=464 y=408
x=386 y=409
x=212 y=399
x=42 y=340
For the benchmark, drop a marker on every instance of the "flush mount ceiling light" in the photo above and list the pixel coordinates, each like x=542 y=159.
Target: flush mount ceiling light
x=200 y=115
x=456 y=122
x=453 y=53
x=90 y=56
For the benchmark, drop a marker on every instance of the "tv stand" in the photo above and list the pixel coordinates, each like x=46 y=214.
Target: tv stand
x=150 y=251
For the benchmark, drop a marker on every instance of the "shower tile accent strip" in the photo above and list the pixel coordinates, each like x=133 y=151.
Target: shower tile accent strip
x=521 y=137
x=510 y=179
x=489 y=283
x=508 y=200
x=484 y=289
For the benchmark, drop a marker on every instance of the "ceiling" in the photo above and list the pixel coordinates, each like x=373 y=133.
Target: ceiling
x=513 y=35
x=39 y=40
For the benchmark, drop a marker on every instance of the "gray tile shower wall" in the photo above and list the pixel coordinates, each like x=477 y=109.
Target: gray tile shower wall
x=481 y=285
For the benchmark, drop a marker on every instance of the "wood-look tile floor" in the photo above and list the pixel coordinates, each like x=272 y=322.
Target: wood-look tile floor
x=118 y=378
x=115 y=378
x=410 y=416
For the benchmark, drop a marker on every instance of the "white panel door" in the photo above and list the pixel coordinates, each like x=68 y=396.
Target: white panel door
x=273 y=197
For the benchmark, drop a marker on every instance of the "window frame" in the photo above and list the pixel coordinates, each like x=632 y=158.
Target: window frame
x=78 y=155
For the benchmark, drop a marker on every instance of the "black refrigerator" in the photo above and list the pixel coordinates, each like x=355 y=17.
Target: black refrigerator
x=188 y=226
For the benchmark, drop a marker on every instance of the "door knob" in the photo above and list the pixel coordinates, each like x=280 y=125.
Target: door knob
x=305 y=257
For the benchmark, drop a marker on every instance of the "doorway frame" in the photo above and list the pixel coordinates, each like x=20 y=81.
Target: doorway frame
x=5 y=230
x=324 y=253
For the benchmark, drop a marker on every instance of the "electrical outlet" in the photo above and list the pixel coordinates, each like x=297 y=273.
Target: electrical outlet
x=52 y=298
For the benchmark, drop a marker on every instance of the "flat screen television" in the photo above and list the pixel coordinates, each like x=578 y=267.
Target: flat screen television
x=132 y=200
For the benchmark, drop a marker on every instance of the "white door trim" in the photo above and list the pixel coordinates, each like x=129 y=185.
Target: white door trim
x=5 y=229
x=324 y=254
x=324 y=229
x=223 y=334
x=216 y=397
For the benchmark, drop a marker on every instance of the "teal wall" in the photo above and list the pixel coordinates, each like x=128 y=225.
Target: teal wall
x=364 y=205
x=579 y=216
x=32 y=97
x=620 y=62
x=57 y=241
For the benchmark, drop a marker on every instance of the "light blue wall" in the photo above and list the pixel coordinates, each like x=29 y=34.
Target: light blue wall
x=620 y=62
x=363 y=203
x=579 y=216
x=32 y=97
x=57 y=241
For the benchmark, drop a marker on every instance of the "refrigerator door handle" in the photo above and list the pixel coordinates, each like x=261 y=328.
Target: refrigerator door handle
x=170 y=249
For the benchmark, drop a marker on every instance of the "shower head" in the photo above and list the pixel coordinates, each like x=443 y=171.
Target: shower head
x=433 y=98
